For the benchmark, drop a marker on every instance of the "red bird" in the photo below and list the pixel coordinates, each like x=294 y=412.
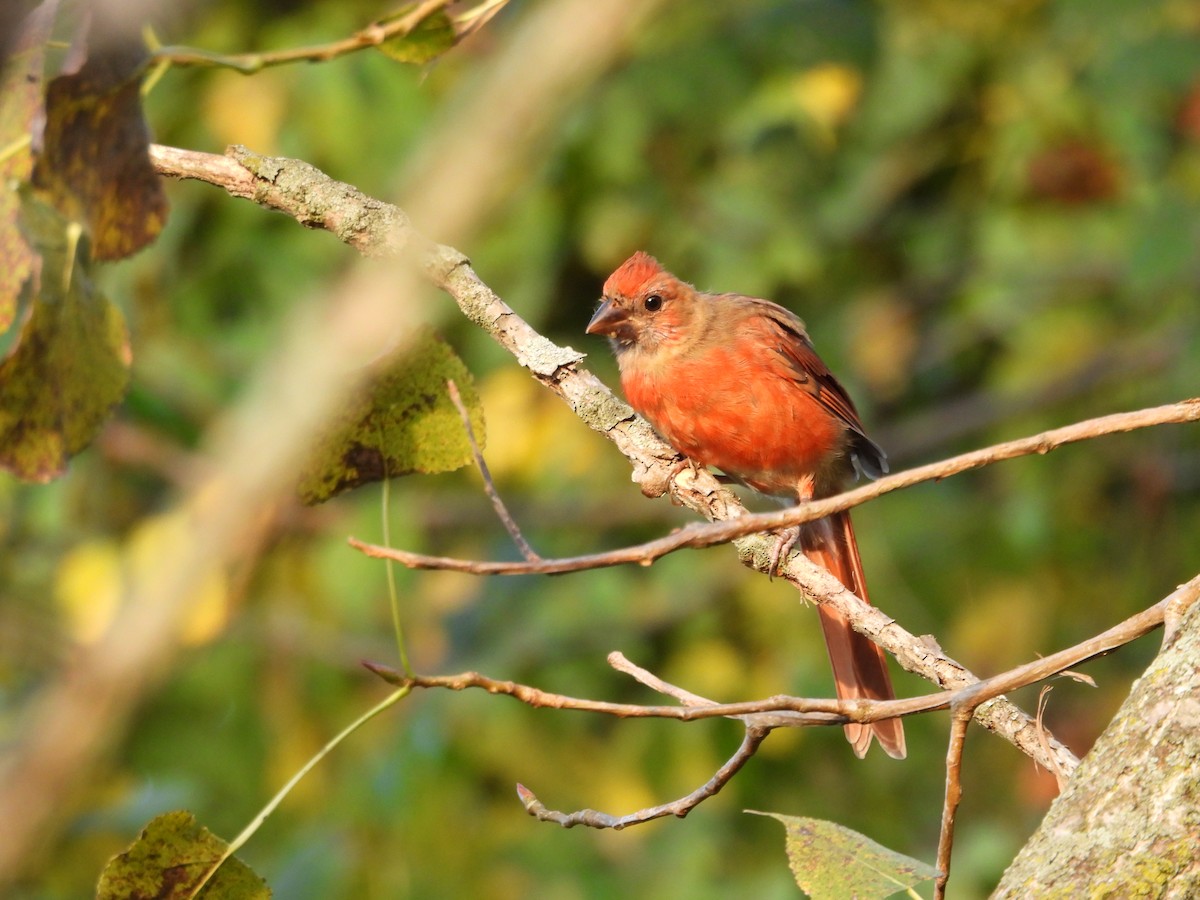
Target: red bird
x=734 y=382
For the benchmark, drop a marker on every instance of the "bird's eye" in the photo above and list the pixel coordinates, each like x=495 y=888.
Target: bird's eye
x=653 y=303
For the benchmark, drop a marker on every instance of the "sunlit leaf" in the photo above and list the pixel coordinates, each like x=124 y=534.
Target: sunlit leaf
x=93 y=159
x=403 y=423
x=21 y=90
x=94 y=575
x=831 y=862
x=432 y=37
x=169 y=858
x=71 y=362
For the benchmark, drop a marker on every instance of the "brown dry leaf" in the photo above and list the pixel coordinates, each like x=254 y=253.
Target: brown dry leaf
x=93 y=160
x=1081 y=677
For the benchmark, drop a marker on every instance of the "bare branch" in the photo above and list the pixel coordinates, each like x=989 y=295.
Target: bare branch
x=798 y=710
x=298 y=189
x=813 y=711
x=621 y=663
x=762 y=716
x=707 y=535
x=371 y=36
x=954 y=754
x=681 y=807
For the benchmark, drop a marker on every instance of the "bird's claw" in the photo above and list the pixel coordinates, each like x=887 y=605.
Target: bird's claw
x=785 y=540
x=677 y=469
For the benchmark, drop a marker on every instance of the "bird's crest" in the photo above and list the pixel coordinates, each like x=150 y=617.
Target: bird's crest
x=632 y=275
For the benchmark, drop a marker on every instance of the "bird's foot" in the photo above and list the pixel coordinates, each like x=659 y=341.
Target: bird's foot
x=677 y=469
x=785 y=540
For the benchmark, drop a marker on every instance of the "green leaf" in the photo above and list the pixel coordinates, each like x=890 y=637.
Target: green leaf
x=169 y=858
x=70 y=365
x=403 y=423
x=831 y=862
x=432 y=37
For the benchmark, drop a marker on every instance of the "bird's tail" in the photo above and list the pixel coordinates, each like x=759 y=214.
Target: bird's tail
x=859 y=665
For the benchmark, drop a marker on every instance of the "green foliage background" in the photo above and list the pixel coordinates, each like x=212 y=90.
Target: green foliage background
x=988 y=215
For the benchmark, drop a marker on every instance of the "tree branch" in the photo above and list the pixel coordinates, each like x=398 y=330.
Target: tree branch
x=810 y=711
x=959 y=720
x=373 y=35
x=1126 y=825
x=760 y=717
x=700 y=535
x=755 y=735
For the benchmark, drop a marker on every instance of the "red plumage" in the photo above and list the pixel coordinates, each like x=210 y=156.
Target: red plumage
x=632 y=275
x=734 y=382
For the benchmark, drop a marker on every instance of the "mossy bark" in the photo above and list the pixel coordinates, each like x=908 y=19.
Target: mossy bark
x=1128 y=823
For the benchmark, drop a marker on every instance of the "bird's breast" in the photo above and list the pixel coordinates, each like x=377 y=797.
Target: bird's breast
x=737 y=410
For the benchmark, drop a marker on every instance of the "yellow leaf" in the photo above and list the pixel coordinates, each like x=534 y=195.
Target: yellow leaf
x=828 y=93
x=92 y=579
x=88 y=588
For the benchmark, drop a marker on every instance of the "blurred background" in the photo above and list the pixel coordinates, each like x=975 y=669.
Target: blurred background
x=988 y=216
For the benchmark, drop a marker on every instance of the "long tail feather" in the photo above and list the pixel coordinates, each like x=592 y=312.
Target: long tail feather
x=859 y=665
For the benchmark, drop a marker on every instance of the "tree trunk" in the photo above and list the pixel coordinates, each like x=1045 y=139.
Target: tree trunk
x=1128 y=823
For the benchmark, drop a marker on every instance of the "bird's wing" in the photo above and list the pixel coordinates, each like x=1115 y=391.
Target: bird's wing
x=789 y=339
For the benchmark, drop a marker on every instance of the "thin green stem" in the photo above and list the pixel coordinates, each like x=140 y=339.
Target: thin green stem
x=255 y=823
x=390 y=570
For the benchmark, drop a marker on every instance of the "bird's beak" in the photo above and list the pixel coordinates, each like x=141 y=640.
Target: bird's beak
x=608 y=319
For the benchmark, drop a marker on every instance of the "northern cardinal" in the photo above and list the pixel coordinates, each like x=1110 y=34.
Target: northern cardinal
x=734 y=382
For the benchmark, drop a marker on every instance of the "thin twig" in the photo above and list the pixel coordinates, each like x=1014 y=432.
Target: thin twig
x=489 y=486
x=809 y=711
x=761 y=716
x=681 y=807
x=709 y=534
x=963 y=704
x=372 y=35
x=797 y=710
x=954 y=753
x=621 y=663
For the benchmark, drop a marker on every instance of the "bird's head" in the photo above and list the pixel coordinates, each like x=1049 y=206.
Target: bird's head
x=644 y=307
